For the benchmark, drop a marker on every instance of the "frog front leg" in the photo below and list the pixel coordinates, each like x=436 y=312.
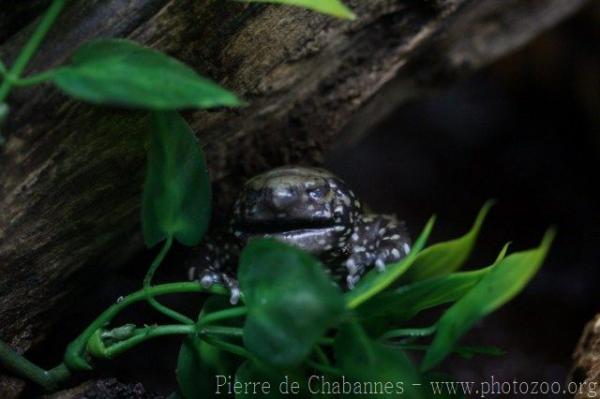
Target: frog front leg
x=214 y=262
x=377 y=240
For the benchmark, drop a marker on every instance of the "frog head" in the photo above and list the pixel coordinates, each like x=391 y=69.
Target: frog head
x=309 y=208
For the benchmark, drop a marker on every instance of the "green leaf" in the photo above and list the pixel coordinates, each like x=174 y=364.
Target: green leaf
x=121 y=72
x=446 y=257
x=363 y=360
x=195 y=378
x=177 y=196
x=331 y=7
x=406 y=302
x=252 y=372
x=199 y=362
x=499 y=286
x=374 y=281
x=291 y=301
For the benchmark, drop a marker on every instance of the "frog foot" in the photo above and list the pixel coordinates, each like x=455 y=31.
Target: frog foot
x=356 y=265
x=209 y=278
x=359 y=262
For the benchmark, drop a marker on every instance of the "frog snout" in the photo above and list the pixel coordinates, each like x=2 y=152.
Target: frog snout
x=282 y=198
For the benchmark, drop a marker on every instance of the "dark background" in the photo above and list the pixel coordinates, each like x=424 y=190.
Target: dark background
x=525 y=131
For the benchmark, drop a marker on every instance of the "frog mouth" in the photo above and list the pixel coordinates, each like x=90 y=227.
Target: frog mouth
x=276 y=227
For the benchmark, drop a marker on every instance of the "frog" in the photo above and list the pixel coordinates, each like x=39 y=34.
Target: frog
x=309 y=208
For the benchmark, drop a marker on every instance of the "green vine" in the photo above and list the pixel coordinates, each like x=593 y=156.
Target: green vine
x=13 y=75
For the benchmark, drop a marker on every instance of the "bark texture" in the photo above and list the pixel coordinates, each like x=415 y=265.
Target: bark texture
x=586 y=369
x=71 y=173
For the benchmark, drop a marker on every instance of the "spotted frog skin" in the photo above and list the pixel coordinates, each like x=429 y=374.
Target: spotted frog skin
x=311 y=209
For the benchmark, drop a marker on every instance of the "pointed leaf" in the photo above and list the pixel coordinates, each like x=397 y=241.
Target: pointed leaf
x=499 y=286
x=406 y=302
x=448 y=256
x=332 y=7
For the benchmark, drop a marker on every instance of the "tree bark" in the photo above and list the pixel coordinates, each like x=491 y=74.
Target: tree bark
x=71 y=173
x=586 y=367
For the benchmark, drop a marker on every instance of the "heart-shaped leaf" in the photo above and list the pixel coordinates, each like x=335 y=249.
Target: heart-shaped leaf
x=448 y=256
x=195 y=378
x=291 y=301
x=496 y=288
x=177 y=196
x=121 y=72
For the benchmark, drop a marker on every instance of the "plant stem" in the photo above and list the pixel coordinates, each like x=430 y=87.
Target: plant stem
x=222 y=330
x=145 y=334
x=48 y=379
x=148 y=282
x=30 y=47
x=408 y=332
x=75 y=353
x=33 y=79
x=226 y=346
x=157 y=261
x=223 y=314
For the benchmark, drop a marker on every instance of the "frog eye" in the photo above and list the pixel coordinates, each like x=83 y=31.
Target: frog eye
x=317 y=192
